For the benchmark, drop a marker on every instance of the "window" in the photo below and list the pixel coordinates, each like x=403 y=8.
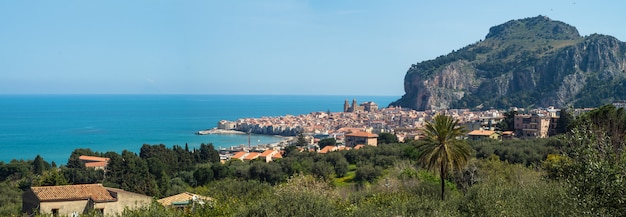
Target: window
x=55 y=212
x=100 y=211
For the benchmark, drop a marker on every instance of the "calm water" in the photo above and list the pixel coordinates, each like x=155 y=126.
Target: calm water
x=54 y=125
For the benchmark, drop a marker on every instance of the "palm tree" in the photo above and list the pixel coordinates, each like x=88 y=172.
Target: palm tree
x=444 y=147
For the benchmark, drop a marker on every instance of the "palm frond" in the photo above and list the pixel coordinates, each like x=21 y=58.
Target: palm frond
x=444 y=144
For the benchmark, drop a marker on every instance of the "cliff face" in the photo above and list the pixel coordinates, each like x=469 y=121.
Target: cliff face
x=527 y=62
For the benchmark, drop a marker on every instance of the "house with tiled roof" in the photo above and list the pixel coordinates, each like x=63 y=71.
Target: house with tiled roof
x=184 y=200
x=360 y=137
x=98 y=163
x=268 y=155
x=239 y=155
x=277 y=156
x=73 y=200
x=327 y=149
x=483 y=134
x=252 y=156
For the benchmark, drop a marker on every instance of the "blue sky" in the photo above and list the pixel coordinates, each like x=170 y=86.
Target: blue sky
x=252 y=47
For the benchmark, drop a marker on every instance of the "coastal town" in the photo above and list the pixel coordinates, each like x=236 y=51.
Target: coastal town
x=357 y=126
x=363 y=122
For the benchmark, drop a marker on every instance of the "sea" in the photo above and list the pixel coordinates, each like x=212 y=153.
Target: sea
x=52 y=126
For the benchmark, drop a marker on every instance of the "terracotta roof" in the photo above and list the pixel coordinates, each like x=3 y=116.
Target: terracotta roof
x=252 y=156
x=267 y=153
x=239 y=155
x=341 y=148
x=96 y=164
x=73 y=192
x=182 y=197
x=362 y=134
x=327 y=149
x=277 y=156
x=358 y=146
x=481 y=133
x=507 y=133
x=92 y=158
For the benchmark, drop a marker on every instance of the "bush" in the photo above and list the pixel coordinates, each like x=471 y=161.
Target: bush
x=367 y=173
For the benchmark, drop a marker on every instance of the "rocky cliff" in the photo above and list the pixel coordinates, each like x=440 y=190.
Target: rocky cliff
x=528 y=62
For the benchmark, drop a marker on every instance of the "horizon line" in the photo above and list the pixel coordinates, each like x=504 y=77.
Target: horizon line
x=182 y=94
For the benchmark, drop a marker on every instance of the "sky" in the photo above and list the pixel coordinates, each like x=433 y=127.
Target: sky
x=273 y=47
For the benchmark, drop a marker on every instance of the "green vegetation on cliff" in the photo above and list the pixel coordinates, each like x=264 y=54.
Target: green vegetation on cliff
x=528 y=62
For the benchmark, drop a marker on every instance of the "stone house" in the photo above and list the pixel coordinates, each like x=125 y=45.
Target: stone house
x=365 y=138
x=73 y=200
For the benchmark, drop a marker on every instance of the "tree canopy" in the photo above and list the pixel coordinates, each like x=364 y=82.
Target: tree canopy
x=444 y=149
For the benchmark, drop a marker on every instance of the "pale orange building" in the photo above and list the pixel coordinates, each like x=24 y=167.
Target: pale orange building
x=98 y=163
x=270 y=155
x=239 y=155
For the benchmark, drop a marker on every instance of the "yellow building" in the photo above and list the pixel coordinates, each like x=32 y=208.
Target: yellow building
x=483 y=134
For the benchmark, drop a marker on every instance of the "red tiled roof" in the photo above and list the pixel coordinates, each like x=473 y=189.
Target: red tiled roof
x=358 y=146
x=92 y=158
x=266 y=153
x=362 y=134
x=239 y=155
x=252 y=156
x=73 y=192
x=327 y=149
x=277 y=156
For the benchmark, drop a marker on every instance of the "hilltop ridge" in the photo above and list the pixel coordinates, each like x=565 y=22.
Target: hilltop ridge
x=526 y=62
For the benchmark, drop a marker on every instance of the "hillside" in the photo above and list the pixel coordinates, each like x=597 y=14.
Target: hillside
x=528 y=62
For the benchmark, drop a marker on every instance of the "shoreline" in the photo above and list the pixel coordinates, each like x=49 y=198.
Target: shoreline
x=218 y=131
x=285 y=140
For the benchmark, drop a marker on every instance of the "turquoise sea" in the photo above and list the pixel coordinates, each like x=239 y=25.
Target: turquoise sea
x=54 y=125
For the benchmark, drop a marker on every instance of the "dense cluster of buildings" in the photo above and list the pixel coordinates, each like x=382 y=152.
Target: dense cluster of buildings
x=404 y=123
x=356 y=127
x=358 y=120
x=359 y=124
